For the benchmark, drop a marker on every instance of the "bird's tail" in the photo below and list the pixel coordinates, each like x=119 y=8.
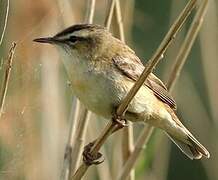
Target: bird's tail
x=186 y=142
x=191 y=147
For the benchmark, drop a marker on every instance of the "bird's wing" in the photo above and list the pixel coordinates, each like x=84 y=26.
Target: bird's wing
x=133 y=68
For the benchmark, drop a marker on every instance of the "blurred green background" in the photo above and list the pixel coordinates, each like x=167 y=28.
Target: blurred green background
x=34 y=126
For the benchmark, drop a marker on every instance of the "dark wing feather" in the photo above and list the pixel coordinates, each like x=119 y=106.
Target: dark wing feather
x=133 y=68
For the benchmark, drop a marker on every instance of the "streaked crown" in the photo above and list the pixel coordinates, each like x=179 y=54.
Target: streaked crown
x=84 y=33
x=80 y=30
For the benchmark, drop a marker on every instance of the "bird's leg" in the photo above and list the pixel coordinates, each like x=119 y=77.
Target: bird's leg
x=90 y=158
x=120 y=122
x=119 y=119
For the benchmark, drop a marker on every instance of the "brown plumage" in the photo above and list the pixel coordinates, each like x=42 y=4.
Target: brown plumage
x=102 y=69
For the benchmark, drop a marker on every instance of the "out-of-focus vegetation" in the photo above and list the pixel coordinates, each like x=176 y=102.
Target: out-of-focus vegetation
x=34 y=126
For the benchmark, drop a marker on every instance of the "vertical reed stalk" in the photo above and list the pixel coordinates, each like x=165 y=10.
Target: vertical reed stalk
x=7 y=73
x=127 y=136
x=8 y=63
x=5 y=21
x=109 y=14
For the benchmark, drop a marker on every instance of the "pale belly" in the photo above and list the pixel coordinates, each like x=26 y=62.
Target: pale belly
x=103 y=91
x=98 y=93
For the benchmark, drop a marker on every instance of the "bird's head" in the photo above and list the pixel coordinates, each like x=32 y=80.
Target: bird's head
x=81 y=39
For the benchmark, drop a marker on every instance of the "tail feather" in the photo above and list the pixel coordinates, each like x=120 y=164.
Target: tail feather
x=193 y=149
x=186 y=142
x=198 y=146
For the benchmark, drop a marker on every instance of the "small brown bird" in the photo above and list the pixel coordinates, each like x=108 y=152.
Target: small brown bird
x=102 y=69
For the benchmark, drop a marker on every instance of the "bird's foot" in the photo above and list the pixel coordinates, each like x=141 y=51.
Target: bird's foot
x=89 y=158
x=120 y=121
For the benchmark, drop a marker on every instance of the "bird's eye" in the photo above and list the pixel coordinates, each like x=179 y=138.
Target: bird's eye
x=73 y=39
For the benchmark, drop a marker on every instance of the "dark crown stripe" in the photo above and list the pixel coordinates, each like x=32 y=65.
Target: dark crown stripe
x=78 y=27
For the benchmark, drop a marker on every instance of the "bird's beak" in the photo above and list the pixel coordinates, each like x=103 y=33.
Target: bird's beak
x=50 y=40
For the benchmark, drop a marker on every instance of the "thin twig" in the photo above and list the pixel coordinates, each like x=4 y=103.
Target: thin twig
x=128 y=17
x=180 y=60
x=109 y=15
x=74 y=116
x=127 y=136
x=143 y=139
x=90 y=11
x=148 y=69
x=8 y=66
x=79 y=140
x=187 y=44
x=5 y=21
x=104 y=170
x=119 y=20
